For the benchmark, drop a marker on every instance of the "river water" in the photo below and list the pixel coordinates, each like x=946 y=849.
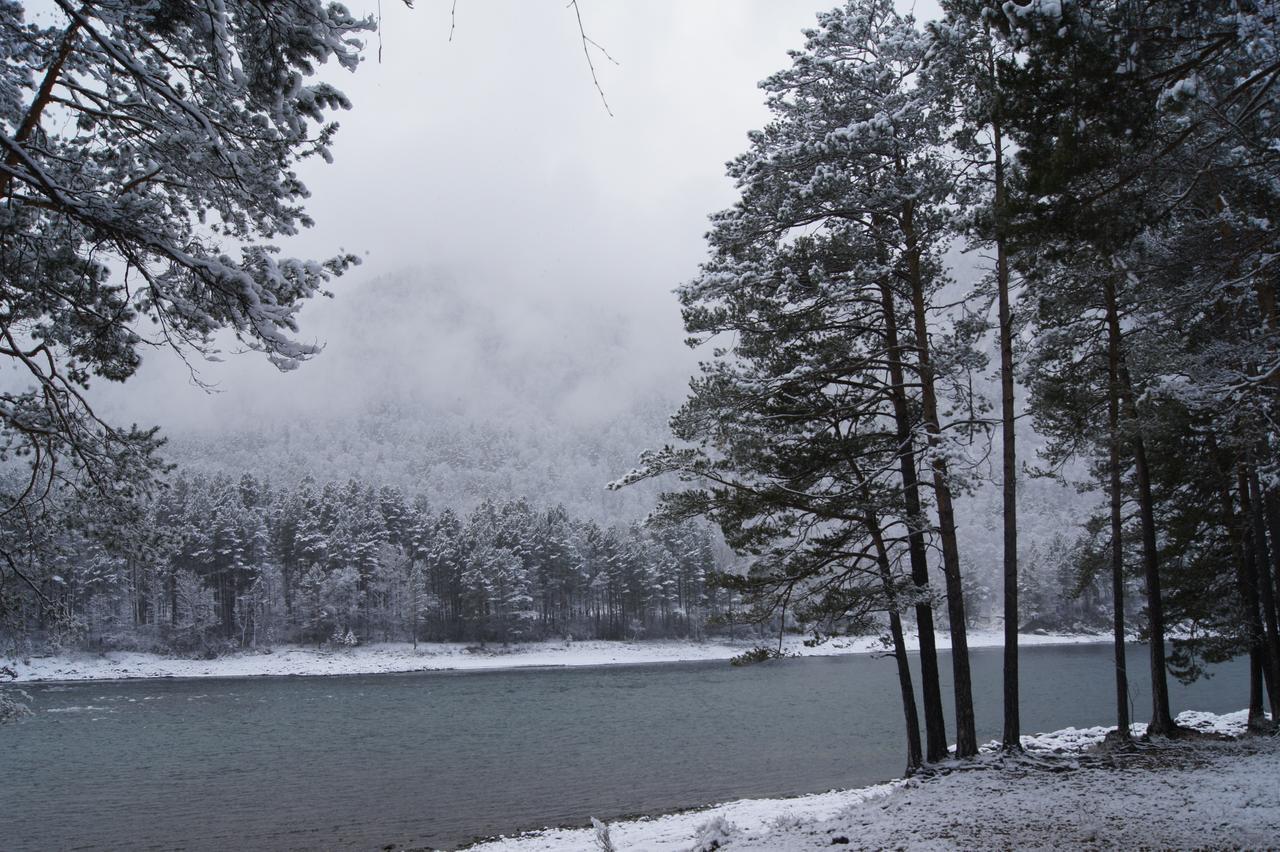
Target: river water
x=436 y=759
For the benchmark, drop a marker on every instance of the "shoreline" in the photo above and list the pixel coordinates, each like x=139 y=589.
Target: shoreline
x=872 y=816
x=401 y=657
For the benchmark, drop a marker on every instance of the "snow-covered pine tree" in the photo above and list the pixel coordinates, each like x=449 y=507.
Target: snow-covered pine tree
x=148 y=167
x=850 y=182
x=825 y=271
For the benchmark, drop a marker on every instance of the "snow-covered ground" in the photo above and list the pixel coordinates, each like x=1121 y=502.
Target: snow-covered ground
x=402 y=657
x=1201 y=794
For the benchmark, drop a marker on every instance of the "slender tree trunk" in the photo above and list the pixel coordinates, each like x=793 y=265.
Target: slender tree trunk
x=1260 y=662
x=229 y=606
x=1258 y=649
x=141 y=592
x=935 y=726
x=1242 y=555
x=414 y=581
x=1257 y=514
x=966 y=736
x=1255 y=564
x=1012 y=738
x=910 y=716
x=173 y=596
x=286 y=580
x=1123 y=722
x=1162 y=723
x=1257 y=715
x=1272 y=501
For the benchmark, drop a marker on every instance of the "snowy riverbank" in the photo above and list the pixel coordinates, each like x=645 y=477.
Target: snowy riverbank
x=402 y=657
x=1197 y=794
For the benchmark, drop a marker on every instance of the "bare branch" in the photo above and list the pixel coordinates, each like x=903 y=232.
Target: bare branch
x=587 y=44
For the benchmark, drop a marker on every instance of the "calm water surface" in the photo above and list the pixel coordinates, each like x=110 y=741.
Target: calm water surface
x=436 y=759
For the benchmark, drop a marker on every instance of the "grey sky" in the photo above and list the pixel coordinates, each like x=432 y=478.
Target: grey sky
x=491 y=161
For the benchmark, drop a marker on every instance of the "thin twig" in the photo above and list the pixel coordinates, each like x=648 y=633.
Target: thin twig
x=599 y=46
x=587 y=44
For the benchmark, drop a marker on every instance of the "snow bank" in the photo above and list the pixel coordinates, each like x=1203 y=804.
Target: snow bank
x=1219 y=795
x=402 y=657
x=683 y=832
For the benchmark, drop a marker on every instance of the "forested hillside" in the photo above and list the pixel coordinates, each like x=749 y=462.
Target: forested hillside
x=560 y=416
x=572 y=412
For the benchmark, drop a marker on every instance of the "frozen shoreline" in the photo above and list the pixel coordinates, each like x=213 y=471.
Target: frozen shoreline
x=401 y=657
x=1204 y=795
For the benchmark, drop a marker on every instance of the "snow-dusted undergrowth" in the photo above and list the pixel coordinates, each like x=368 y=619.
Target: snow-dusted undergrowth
x=402 y=657
x=1201 y=794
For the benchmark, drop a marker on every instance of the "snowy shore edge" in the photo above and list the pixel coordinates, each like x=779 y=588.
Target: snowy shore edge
x=1206 y=795
x=402 y=657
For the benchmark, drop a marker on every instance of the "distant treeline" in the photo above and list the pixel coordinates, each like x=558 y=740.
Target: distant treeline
x=212 y=563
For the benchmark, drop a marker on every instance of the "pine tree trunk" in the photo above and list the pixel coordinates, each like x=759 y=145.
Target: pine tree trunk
x=1012 y=738
x=1257 y=638
x=1117 y=539
x=1265 y=555
x=414 y=581
x=44 y=96
x=1272 y=501
x=966 y=736
x=1242 y=557
x=228 y=605
x=1161 y=719
x=1257 y=715
x=910 y=716
x=935 y=726
x=1260 y=662
x=1255 y=564
x=286 y=580
x=172 y=580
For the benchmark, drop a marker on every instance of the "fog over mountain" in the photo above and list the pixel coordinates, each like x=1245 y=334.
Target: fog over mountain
x=455 y=390
x=463 y=388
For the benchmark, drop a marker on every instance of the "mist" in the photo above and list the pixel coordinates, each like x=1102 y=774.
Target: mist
x=520 y=240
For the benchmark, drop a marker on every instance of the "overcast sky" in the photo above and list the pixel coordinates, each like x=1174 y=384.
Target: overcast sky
x=491 y=160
